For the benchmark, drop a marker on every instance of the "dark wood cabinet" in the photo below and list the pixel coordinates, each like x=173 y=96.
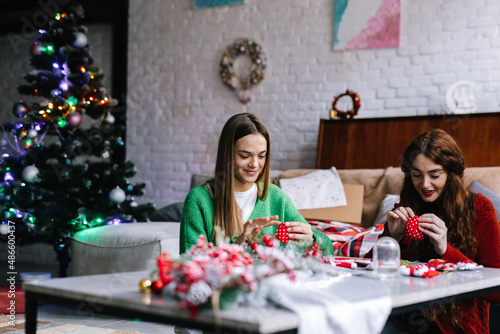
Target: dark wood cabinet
x=380 y=142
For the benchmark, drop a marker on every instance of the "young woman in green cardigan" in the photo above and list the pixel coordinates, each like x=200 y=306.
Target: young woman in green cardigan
x=240 y=197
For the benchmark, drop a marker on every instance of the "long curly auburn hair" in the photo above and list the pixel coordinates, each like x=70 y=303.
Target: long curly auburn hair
x=456 y=206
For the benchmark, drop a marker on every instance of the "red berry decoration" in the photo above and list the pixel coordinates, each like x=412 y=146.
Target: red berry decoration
x=412 y=230
x=267 y=240
x=282 y=233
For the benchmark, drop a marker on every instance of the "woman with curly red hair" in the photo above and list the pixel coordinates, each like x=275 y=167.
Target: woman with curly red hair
x=459 y=225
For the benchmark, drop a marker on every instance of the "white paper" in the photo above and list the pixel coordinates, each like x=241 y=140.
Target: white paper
x=319 y=189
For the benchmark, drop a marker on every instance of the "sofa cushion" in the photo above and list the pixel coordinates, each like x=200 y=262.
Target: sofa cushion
x=169 y=213
x=386 y=205
x=477 y=187
x=122 y=248
x=489 y=176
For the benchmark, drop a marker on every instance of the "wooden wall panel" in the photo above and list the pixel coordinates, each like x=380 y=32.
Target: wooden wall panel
x=380 y=142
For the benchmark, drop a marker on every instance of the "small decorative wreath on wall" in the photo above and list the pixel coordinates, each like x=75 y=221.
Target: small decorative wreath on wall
x=356 y=104
x=243 y=85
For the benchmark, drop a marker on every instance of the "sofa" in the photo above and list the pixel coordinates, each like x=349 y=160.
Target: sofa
x=136 y=246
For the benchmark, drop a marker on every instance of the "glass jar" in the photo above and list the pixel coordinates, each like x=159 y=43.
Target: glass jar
x=386 y=258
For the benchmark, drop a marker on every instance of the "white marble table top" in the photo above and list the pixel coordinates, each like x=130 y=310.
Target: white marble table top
x=406 y=291
x=121 y=290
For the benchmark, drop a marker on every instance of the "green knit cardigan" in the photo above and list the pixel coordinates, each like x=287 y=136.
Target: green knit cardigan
x=198 y=211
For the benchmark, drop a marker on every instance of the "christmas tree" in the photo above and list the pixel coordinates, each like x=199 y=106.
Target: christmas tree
x=63 y=167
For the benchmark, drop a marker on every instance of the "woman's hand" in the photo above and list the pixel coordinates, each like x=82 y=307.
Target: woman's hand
x=299 y=231
x=256 y=225
x=396 y=220
x=432 y=226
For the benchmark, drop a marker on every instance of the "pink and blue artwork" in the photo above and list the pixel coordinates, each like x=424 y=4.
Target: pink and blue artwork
x=215 y=3
x=366 y=24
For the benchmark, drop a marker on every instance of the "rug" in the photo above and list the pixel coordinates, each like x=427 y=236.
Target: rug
x=48 y=327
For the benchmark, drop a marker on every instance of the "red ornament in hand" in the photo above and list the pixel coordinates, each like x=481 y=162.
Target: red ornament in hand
x=412 y=230
x=282 y=233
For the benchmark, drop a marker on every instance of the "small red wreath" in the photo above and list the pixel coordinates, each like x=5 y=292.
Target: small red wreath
x=356 y=103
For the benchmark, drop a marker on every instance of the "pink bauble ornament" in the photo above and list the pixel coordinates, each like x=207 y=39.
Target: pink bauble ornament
x=74 y=119
x=36 y=49
x=20 y=109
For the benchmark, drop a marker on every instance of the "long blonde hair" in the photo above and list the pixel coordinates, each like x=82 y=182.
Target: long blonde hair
x=227 y=215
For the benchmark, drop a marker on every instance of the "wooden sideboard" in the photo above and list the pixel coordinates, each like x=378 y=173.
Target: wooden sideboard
x=380 y=142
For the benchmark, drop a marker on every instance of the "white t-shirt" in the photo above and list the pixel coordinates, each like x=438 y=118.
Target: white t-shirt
x=246 y=201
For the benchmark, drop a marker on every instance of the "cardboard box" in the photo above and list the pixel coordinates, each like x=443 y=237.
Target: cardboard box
x=345 y=214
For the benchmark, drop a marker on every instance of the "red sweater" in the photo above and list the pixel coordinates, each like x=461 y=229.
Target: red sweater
x=475 y=316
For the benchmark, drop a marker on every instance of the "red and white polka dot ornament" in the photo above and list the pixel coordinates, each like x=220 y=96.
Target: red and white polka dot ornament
x=412 y=230
x=282 y=233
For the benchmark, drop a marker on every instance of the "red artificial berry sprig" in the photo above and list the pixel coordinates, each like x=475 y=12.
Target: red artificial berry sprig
x=165 y=265
x=267 y=241
x=314 y=251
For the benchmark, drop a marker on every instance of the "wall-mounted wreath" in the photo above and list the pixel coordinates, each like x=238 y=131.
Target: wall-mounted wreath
x=356 y=104
x=242 y=85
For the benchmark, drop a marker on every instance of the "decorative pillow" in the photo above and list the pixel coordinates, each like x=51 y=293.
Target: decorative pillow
x=322 y=188
x=477 y=187
x=169 y=213
x=386 y=205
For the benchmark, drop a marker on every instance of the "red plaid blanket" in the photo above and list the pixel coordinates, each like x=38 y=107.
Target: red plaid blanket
x=347 y=239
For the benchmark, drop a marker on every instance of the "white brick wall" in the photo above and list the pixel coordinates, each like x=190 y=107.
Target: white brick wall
x=177 y=103
x=183 y=103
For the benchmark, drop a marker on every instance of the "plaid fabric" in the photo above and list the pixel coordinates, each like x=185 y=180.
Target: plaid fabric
x=347 y=239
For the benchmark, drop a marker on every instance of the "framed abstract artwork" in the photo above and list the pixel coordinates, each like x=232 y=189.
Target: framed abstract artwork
x=361 y=24
x=215 y=3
